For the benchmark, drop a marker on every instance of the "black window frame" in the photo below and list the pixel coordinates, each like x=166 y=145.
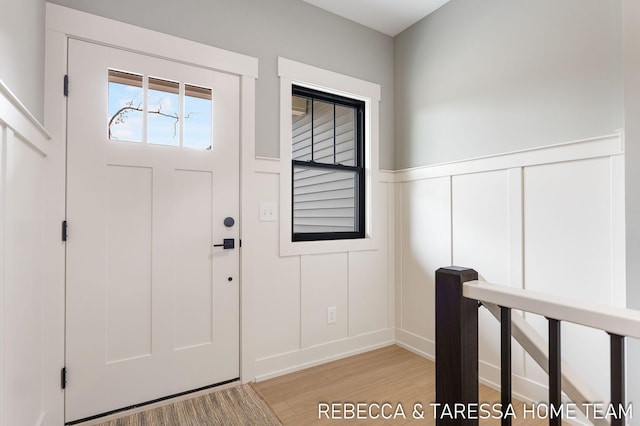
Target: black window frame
x=358 y=168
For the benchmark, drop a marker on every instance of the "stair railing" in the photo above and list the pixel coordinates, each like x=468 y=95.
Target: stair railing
x=458 y=297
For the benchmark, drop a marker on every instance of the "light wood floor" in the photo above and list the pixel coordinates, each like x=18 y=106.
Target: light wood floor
x=388 y=375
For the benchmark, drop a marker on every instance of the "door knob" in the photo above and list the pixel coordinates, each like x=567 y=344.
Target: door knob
x=227 y=243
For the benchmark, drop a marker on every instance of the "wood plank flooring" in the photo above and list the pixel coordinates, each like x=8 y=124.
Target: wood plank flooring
x=390 y=375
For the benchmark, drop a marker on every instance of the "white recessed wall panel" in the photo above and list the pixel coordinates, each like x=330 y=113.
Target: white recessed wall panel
x=481 y=224
x=567 y=229
x=567 y=210
x=192 y=248
x=324 y=280
x=368 y=291
x=22 y=181
x=481 y=206
x=275 y=280
x=128 y=263
x=426 y=246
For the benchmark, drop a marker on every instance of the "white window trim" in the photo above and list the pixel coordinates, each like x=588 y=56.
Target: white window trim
x=296 y=73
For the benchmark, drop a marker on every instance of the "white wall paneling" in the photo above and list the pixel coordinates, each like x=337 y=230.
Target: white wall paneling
x=568 y=250
x=426 y=245
x=547 y=219
x=368 y=294
x=487 y=234
x=24 y=149
x=324 y=281
x=275 y=280
x=290 y=294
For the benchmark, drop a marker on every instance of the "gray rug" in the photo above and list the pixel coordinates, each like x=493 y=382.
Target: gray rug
x=239 y=405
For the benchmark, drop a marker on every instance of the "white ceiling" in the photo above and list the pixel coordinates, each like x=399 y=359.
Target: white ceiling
x=387 y=16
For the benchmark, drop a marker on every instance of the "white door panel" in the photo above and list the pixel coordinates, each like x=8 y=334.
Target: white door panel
x=152 y=306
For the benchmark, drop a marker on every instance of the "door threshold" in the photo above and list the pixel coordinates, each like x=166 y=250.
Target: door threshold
x=155 y=403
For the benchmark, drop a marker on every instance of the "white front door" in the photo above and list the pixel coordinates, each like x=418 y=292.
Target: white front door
x=152 y=180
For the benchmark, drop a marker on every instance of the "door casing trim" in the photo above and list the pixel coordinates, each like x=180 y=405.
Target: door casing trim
x=65 y=23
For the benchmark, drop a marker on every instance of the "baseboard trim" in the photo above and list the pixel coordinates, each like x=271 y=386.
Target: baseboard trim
x=419 y=345
x=526 y=390
x=278 y=365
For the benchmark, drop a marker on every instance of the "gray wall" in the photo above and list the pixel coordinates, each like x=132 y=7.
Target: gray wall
x=266 y=29
x=22 y=52
x=492 y=76
x=484 y=77
x=632 y=181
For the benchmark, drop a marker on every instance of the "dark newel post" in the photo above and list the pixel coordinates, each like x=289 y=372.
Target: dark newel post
x=456 y=345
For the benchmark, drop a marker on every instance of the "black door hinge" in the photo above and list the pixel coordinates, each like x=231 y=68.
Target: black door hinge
x=240 y=243
x=64 y=230
x=65 y=89
x=63 y=377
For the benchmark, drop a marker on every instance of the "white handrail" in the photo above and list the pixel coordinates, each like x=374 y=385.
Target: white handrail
x=614 y=320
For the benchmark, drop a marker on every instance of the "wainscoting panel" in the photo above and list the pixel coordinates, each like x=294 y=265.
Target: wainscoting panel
x=482 y=233
x=426 y=246
x=480 y=211
x=546 y=220
x=24 y=146
x=289 y=295
x=274 y=281
x=568 y=252
x=368 y=292
x=324 y=281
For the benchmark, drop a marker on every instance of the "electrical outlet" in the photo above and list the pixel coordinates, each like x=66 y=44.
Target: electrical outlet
x=331 y=315
x=268 y=212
